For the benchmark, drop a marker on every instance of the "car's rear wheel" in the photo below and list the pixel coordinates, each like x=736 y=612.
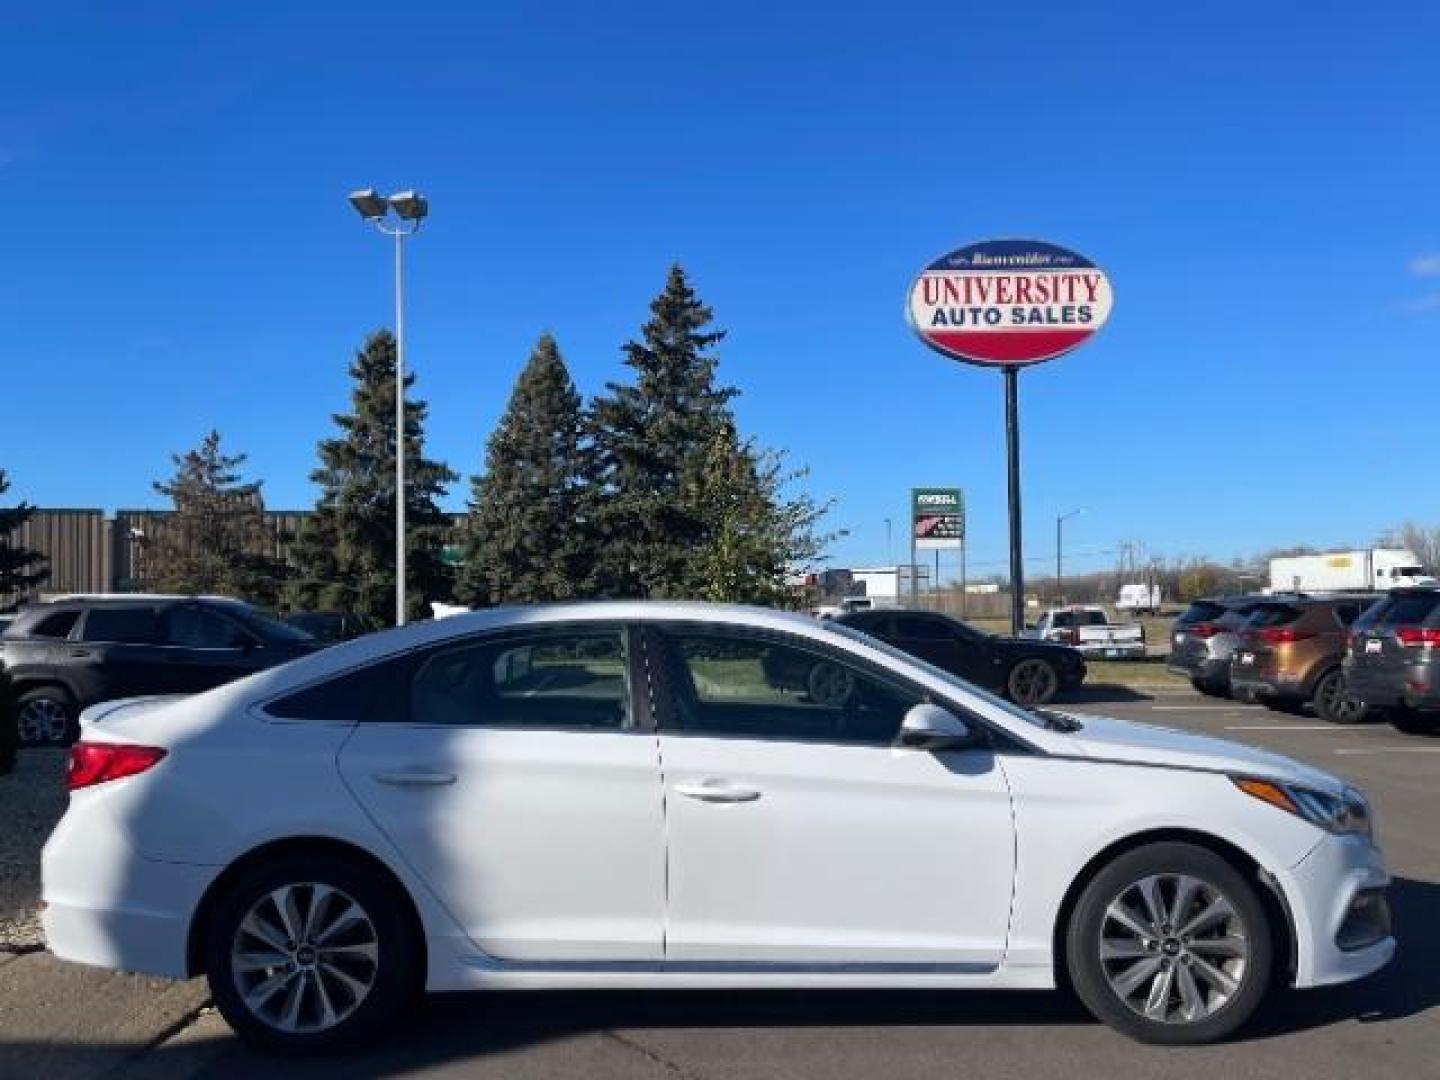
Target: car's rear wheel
x=45 y=717
x=309 y=953
x=1032 y=682
x=1170 y=944
x=1333 y=702
x=1415 y=722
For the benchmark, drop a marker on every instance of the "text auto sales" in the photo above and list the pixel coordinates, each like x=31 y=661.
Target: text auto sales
x=1035 y=299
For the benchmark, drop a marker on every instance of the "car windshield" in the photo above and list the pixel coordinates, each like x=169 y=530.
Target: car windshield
x=1202 y=611
x=1034 y=719
x=1404 y=609
x=1273 y=615
x=1078 y=618
x=269 y=628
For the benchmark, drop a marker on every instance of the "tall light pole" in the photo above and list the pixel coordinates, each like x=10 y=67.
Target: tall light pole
x=410 y=208
x=1060 y=520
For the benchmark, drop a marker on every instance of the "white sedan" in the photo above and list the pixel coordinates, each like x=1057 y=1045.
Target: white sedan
x=677 y=795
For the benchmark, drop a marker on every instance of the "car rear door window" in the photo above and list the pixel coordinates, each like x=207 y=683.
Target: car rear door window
x=547 y=679
x=56 y=626
x=735 y=683
x=125 y=625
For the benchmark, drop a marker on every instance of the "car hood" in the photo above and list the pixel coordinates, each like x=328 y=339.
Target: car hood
x=1144 y=744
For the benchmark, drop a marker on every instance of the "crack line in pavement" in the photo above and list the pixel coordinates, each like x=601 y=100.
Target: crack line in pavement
x=664 y=1062
x=183 y=1021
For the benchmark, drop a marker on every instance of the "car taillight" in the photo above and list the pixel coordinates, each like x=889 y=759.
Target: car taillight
x=1204 y=630
x=1418 y=636
x=1281 y=635
x=94 y=763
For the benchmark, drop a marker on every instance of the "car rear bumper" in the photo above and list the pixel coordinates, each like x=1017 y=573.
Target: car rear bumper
x=1341 y=917
x=109 y=907
x=1205 y=669
x=1415 y=686
x=1126 y=651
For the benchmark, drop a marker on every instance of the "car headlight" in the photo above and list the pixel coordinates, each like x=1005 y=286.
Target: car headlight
x=1347 y=813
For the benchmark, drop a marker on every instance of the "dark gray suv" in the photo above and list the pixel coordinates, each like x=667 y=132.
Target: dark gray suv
x=1203 y=638
x=1393 y=660
x=67 y=655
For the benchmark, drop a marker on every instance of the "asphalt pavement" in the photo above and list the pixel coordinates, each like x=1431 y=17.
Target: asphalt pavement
x=1386 y=1026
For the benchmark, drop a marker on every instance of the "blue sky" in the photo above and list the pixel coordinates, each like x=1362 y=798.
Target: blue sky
x=1258 y=180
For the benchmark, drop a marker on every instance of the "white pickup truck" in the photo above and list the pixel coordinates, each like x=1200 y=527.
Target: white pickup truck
x=1090 y=630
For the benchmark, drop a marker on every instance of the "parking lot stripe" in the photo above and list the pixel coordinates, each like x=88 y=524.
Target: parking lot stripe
x=1293 y=727
x=1390 y=750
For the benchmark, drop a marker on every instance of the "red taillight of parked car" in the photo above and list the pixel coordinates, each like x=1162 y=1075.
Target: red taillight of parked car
x=1204 y=630
x=1281 y=635
x=94 y=763
x=1418 y=636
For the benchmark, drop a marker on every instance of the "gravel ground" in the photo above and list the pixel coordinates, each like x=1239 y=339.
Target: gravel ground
x=32 y=798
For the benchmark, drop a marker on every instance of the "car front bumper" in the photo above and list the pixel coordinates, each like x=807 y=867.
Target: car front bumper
x=1336 y=898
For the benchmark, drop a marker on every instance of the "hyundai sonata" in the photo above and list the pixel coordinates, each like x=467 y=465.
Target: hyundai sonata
x=622 y=795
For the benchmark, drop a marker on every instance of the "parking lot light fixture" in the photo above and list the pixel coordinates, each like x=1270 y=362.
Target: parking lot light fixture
x=410 y=205
x=368 y=204
x=411 y=208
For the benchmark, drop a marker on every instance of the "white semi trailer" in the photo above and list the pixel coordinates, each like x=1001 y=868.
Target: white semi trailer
x=1348 y=571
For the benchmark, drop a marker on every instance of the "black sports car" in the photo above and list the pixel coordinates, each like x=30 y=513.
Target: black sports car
x=1027 y=672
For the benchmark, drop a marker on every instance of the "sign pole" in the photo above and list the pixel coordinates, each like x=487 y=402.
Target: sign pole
x=964 y=586
x=1012 y=454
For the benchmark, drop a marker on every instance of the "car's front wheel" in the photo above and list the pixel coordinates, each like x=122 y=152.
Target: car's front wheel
x=1032 y=682
x=1170 y=944
x=309 y=953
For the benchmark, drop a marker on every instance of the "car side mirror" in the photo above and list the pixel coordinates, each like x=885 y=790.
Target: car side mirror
x=930 y=727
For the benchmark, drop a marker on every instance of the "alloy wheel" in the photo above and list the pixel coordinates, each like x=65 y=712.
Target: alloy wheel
x=1173 y=948
x=1032 y=682
x=1335 y=704
x=304 y=958
x=42 y=722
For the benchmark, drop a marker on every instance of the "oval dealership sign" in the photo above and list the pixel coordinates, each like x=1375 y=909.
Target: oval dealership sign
x=1003 y=303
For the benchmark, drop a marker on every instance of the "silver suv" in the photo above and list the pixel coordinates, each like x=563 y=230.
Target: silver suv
x=1203 y=638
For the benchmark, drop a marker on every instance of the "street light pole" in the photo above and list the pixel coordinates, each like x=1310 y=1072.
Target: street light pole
x=1060 y=520
x=411 y=209
x=399 y=428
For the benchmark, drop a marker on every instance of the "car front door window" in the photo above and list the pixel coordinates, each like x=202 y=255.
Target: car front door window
x=764 y=688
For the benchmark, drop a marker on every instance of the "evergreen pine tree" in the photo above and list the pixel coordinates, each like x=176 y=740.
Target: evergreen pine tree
x=687 y=508
x=646 y=437
x=215 y=542
x=21 y=569
x=529 y=523
x=345 y=553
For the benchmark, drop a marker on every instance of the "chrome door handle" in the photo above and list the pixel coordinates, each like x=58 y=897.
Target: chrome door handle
x=717 y=791
x=415 y=778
